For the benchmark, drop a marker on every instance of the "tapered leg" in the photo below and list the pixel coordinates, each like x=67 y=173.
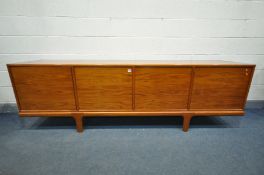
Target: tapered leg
x=79 y=122
x=186 y=122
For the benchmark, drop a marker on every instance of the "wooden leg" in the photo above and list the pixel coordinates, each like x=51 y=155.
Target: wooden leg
x=186 y=122
x=79 y=122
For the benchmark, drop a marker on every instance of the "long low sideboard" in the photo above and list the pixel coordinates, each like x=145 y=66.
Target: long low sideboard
x=89 y=88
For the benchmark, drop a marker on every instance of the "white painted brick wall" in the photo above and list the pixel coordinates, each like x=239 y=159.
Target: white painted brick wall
x=132 y=29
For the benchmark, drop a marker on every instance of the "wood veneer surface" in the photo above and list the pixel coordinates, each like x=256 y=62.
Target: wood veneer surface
x=162 y=89
x=132 y=62
x=220 y=88
x=131 y=87
x=104 y=89
x=44 y=88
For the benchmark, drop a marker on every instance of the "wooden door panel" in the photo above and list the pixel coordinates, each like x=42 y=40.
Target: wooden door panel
x=161 y=88
x=44 y=88
x=220 y=88
x=104 y=88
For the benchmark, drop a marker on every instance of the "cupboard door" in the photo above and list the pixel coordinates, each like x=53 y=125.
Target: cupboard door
x=44 y=88
x=161 y=88
x=104 y=88
x=220 y=88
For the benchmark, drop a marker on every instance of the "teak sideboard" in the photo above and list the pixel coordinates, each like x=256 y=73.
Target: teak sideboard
x=130 y=88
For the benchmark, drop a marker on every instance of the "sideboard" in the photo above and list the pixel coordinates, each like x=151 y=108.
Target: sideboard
x=89 y=88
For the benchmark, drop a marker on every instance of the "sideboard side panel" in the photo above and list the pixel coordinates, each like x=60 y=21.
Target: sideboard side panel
x=43 y=88
x=251 y=71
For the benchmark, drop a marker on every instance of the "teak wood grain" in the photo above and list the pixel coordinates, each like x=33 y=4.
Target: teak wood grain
x=161 y=89
x=44 y=88
x=104 y=89
x=219 y=88
x=158 y=63
x=130 y=88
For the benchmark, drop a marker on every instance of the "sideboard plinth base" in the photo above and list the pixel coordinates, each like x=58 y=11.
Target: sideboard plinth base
x=78 y=116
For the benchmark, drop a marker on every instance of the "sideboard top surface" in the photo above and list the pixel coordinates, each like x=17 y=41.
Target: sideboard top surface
x=130 y=63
